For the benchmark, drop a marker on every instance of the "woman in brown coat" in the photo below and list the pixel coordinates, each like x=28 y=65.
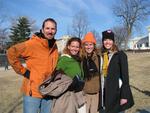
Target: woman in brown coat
x=91 y=68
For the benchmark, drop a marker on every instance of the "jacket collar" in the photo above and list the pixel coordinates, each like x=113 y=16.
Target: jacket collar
x=44 y=42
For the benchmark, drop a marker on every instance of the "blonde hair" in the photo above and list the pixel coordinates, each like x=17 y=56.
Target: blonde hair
x=84 y=53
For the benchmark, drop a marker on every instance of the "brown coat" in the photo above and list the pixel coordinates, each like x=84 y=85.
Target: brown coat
x=92 y=79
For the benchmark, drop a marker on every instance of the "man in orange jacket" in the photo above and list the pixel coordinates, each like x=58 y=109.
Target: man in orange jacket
x=40 y=54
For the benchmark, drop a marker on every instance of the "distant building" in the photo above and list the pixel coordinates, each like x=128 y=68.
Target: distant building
x=132 y=43
x=61 y=43
x=142 y=42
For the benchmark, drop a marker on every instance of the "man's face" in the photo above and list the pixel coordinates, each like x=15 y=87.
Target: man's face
x=49 y=30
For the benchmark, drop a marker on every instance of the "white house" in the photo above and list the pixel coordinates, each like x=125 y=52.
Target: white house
x=149 y=34
x=61 y=43
x=142 y=42
x=132 y=43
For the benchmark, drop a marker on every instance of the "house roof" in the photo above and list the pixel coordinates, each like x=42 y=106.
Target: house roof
x=143 y=40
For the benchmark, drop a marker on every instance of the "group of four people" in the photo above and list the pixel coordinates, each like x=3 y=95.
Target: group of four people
x=101 y=75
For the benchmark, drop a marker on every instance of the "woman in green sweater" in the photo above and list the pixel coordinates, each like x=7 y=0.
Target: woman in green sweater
x=69 y=61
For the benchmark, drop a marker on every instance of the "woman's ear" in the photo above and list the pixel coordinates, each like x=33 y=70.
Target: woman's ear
x=68 y=47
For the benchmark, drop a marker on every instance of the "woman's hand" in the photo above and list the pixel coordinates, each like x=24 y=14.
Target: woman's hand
x=123 y=101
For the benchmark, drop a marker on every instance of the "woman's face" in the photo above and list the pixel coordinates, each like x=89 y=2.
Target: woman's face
x=89 y=47
x=108 y=43
x=74 y=47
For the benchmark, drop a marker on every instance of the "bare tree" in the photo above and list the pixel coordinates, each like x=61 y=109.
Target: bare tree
x=3 y=28
x=79 y=24
x=3 y=14
x=98 y=37
x=120 y=35
x=131 y=12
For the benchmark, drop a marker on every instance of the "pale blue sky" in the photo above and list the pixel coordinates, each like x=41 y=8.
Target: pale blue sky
x=99 y=12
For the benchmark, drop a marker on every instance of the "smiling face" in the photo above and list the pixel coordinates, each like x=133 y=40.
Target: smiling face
x=89 y=47
x=108 y=43
x=74 y=47
x=49 y=29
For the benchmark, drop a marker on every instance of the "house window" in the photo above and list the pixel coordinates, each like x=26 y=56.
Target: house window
x=146 y=44
x=140 y=45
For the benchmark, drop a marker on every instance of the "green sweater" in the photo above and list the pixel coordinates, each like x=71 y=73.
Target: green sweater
x=70 y=66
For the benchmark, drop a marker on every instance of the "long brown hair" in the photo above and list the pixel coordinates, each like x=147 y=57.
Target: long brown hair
x=114 y=48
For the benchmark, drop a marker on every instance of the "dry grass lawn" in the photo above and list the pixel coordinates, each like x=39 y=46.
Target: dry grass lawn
x=139 y=69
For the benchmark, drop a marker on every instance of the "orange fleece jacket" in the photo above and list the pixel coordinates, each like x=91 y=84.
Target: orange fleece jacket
x=40 y=60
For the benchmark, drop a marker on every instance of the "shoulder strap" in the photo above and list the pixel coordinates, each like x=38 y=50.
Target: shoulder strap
x=99 y=63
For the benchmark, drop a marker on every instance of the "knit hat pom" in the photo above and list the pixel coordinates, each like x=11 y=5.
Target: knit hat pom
x=89 y=37
x=108 y=34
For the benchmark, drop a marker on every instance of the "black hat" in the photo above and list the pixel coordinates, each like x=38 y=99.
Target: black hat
x=108 y=34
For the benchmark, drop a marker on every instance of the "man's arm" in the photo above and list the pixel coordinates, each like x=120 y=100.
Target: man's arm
x=14 y=54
